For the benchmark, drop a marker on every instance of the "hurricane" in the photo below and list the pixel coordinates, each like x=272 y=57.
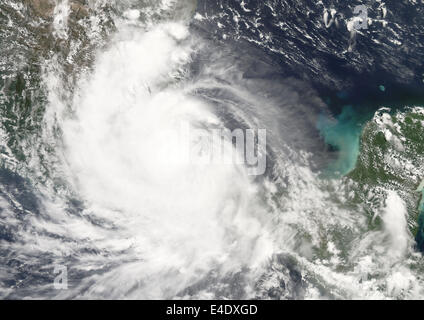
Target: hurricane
x=113 y=118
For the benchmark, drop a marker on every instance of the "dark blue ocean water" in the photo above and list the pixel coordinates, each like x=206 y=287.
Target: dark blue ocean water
x=293 y=42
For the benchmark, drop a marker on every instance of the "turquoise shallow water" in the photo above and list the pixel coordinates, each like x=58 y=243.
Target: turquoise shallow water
x=353 y=109
x=343 y=133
